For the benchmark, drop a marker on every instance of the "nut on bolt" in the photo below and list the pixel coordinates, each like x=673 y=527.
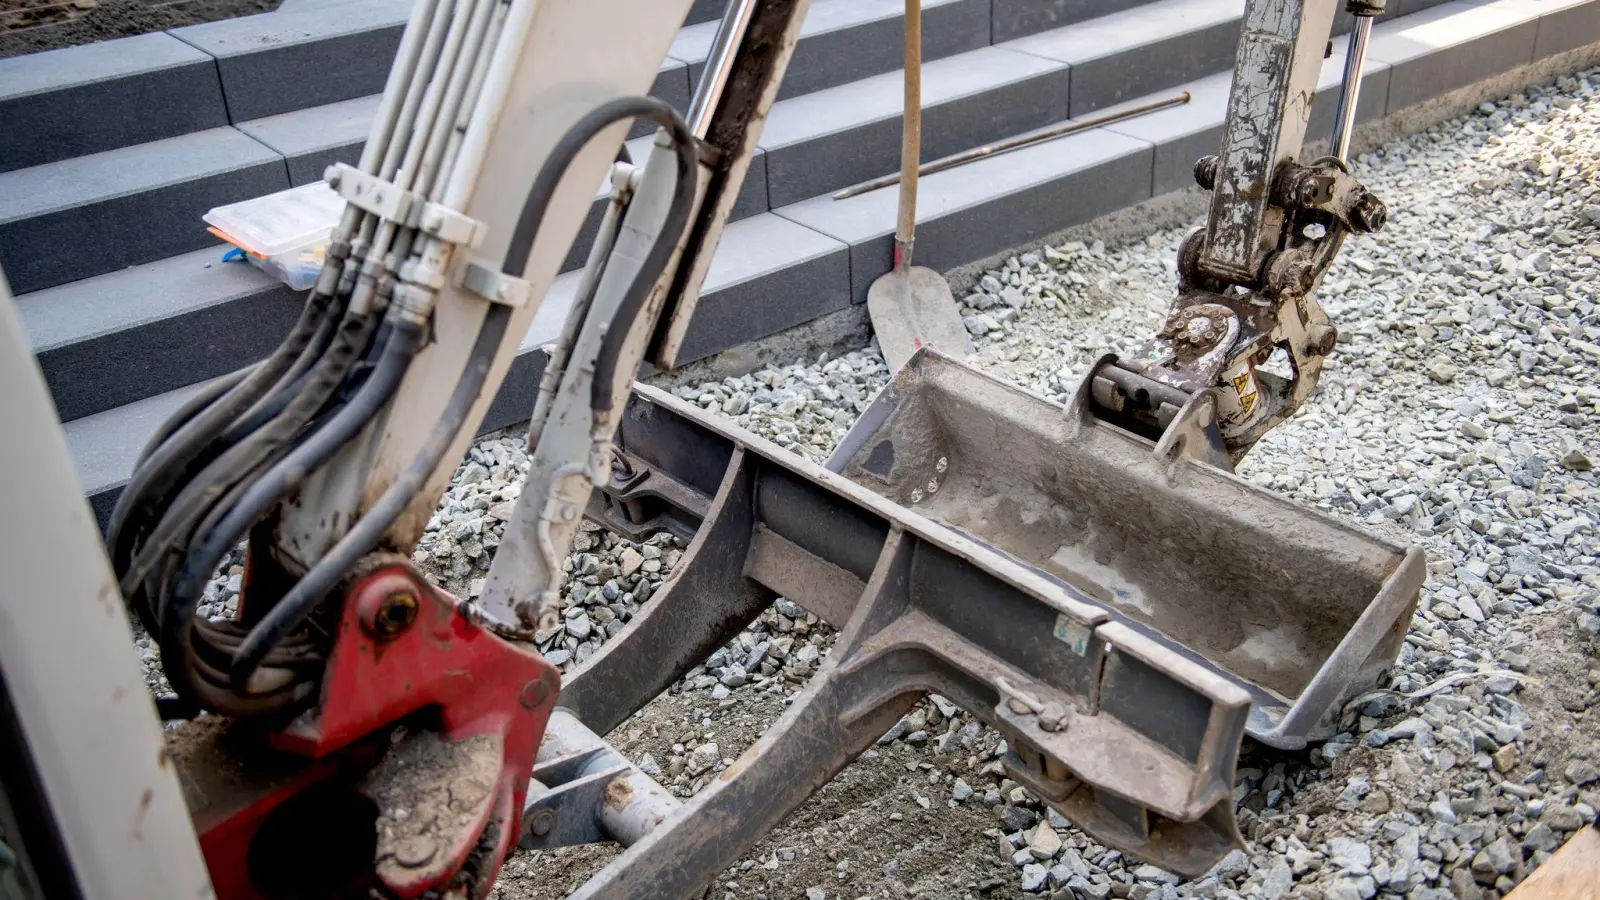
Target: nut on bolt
x=534 y=694
x=1205 y=172
x=1369 y=213
x=391 y=614
x=1321 y=339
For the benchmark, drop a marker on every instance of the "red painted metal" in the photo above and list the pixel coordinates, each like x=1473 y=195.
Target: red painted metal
x=386 y=665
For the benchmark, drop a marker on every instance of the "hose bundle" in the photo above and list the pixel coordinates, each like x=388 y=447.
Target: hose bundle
x=247 y=442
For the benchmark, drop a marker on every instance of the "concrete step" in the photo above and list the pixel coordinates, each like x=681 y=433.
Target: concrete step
x=80 y=100
x=979 y=209
x=830 y=139
x=821 y=142
x=1142 y=50
x=81 y=217
x=844 y=40
x=1181 y=135
x=121 y=337
x=759 y=261
x=1013 y=19
x=104 y=96
x=265 y=60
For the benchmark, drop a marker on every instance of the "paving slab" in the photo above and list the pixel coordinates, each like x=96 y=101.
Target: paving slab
x=81 y=217
x=86 y=99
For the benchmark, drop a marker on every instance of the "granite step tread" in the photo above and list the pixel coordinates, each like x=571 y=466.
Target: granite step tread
x=80 y=217
x=74 y=101
x=978 y=209
x=124 y=336
x=263 y=60
x=1141 y=50
x=844 y=40
x=824 y=141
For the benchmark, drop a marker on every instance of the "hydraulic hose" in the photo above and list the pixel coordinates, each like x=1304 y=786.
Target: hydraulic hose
x=291 y=610
x=154 y=481
x=191 y=408
x=242 y=460
x=655 y=262
x=309 y=456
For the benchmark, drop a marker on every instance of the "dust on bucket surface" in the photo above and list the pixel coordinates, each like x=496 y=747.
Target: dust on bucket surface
x=1298 y=608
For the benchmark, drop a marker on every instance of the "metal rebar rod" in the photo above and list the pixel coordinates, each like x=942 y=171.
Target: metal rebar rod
x=1015 y=143
x=1344 y=122
x=719 y=65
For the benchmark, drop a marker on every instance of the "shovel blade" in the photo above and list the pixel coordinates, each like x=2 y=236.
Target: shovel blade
x=913 y=308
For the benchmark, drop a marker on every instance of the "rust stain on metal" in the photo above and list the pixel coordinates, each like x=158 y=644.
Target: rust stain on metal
x=619 y=794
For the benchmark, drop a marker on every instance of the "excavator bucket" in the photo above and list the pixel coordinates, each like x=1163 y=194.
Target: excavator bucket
x=1298 y=609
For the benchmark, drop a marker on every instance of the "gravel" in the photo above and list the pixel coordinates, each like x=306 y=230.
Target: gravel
x=1459 y=413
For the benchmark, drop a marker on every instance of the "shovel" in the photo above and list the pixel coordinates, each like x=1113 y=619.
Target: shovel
x=912 y=307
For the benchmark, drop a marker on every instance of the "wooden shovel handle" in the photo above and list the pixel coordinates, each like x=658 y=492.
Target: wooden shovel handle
x=911 y=137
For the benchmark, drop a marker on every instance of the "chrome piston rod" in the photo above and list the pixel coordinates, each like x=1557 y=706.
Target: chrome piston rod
x=1344 y=121
x=719 y=65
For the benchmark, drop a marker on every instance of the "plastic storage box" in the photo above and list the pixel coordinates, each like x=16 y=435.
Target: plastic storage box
x=285 y=234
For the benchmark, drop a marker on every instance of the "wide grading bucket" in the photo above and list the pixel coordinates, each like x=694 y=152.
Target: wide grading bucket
x=1300 y=610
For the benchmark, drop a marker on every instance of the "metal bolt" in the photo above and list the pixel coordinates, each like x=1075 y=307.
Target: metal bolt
x=1369 y=214
x=1053 y=717
x=1205 y=172
x=542 y=822
x=391 y=615
x=1311 y=192
x=534 y=694
x=1320 y=340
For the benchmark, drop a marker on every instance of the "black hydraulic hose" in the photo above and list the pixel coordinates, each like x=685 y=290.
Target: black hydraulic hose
x=238 y=462
x=309 y=456
x=561 y=156
x=533 y=210
x=191 y=408
x=155 y=480
x=291 y=381
x=655 y=262
x=290 y=611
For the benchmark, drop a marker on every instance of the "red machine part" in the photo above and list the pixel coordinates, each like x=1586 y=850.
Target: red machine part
x=350 y=803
